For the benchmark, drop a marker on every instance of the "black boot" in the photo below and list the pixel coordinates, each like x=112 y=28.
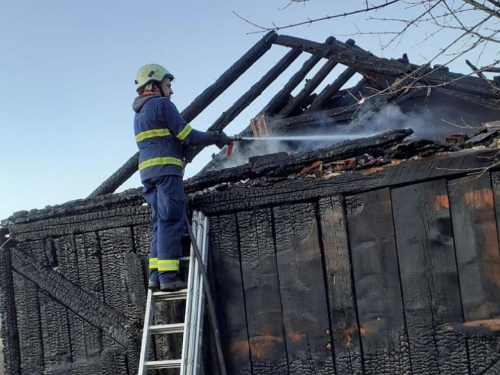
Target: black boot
x=173 y=286
x=154 y=281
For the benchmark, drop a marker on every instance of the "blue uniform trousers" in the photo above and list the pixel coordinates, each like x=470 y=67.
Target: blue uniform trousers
x=167 y=200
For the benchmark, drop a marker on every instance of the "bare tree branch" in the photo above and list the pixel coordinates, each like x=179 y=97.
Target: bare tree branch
x=310 y=21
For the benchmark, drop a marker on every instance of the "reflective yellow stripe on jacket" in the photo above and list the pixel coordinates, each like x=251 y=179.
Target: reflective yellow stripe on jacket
x=184 y=133
x=168 y=265
x=161 y=161
x=152 y=134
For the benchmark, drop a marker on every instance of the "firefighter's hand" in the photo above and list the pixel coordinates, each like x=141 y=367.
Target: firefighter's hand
x=189 y=153
x=220 y=140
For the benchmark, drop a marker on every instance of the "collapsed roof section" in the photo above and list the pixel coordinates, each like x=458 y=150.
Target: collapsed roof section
x=384 y=82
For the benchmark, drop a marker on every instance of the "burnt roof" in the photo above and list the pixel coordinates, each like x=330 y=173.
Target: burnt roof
x=384 y=82
x=432 y=95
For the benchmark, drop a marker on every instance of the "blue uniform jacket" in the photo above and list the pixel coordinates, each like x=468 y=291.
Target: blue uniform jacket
x=160 y=133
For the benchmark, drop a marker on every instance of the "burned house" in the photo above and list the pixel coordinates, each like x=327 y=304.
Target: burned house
x=373 y=255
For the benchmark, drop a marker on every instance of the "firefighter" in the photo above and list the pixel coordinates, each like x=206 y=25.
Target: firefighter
x=162 y=135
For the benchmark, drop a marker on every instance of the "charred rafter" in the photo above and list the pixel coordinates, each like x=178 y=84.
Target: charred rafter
x=330 y=90
x=311 y=85
x=365 y=62
x=284 y=94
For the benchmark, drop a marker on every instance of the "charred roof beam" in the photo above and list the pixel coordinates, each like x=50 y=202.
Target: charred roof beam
x=330 y=90
x=284 y=94
x=363 y=61
x=311 y=85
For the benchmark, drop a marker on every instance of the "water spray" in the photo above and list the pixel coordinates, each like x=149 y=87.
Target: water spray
x=294 y=138
x=304 y=138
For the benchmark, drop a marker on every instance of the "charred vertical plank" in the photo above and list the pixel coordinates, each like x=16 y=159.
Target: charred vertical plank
x=201 y=102
x=262 y=295
x=28 y=325
x=311 y=85
x=90 y=280
x=115 y=243
x=230 y=299
x=302 y=286
x=123 y=280
x=478 y=256
x=54 y=320
x=9 y=329
x=29 y=315
x=68 y=267
x=89 y=264
x=429 y=277
x=345 y=328
x=476 y=243
x=55 y=333
x=142 y=241
x=378 y=289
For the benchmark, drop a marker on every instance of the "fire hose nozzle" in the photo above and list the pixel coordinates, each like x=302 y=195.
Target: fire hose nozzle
x=236 y=138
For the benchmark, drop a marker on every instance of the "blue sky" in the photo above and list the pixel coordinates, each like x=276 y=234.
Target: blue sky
x=68 y=68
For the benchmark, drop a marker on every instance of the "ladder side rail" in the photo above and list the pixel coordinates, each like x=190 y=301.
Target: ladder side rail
x=201 y=302
x=191 y=283
x=146 y=334
x=191 y=365
x=212 y=312
x=194 y=301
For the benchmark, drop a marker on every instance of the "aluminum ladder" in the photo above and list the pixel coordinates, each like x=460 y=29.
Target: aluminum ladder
x=192 y=327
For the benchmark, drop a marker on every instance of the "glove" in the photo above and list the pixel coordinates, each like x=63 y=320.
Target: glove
x=189 y=153
x=220 y=140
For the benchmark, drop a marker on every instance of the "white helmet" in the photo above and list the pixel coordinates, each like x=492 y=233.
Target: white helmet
x=151 y=73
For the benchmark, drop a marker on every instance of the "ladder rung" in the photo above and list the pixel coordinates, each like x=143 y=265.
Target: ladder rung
x=170 y=296
x=166 y=364
x=166 y=329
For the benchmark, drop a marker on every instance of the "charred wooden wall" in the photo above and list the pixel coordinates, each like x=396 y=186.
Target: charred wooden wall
x=394 y=270
x=395 y=279
x=74 y=289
